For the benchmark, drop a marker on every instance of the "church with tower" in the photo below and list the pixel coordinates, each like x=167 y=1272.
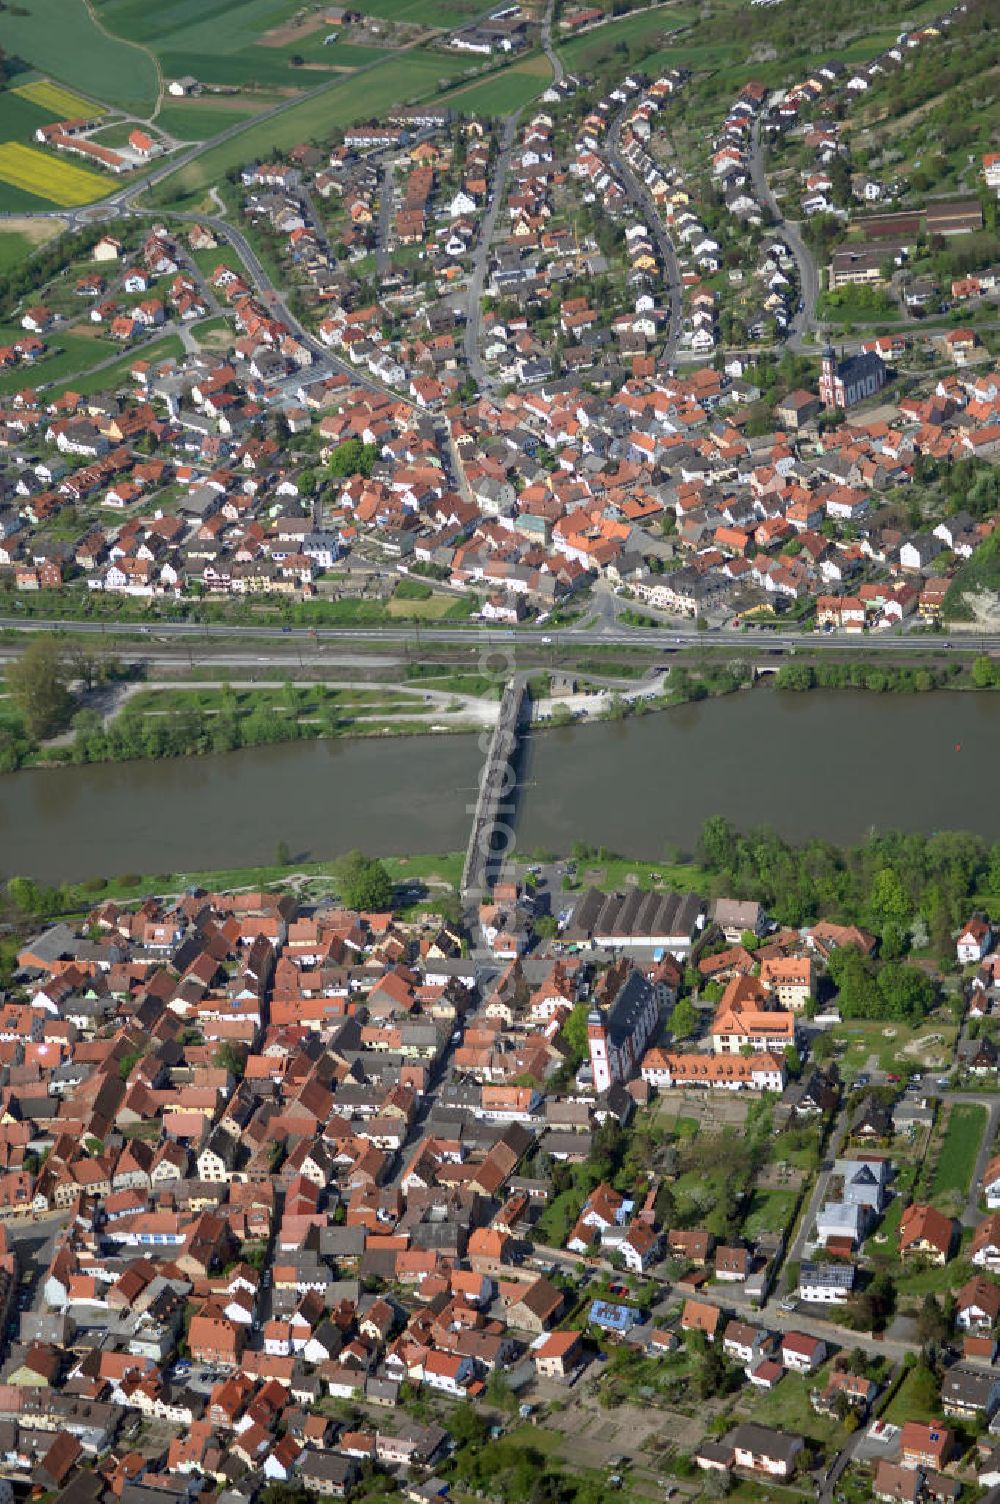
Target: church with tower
x=846 y=382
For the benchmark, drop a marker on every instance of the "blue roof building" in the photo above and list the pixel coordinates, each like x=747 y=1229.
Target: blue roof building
x=612 y=1318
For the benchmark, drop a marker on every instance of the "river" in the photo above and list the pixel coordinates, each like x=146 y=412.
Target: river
x=829 y=764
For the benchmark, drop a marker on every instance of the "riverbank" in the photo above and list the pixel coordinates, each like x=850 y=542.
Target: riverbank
x=167 y=719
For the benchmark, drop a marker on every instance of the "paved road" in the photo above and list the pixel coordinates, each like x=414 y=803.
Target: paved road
x=732 y=1299
x=386 y=192
x=483 y=636
x=805 y=318
x=481 y=257
x=644 y=206
x=555 y=61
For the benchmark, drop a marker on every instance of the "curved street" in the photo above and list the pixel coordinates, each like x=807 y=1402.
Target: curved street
x=555 y=61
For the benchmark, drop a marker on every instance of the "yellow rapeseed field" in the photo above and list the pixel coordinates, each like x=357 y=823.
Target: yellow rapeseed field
x=47 y=177
x=62 y=102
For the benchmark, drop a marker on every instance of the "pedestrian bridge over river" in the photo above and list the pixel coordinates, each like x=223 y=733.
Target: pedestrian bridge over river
x=489 y=839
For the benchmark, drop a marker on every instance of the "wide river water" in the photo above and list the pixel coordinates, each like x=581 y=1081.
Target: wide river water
x=830 y=764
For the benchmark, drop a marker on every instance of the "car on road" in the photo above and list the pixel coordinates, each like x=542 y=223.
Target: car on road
x=893 y=1077
x=863 y=1080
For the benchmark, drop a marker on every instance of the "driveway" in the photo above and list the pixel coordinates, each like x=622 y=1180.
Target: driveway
x=818 y=1194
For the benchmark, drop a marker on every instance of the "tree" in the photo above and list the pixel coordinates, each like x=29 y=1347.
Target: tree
x=574 y=1032
x=24 y=895
x=717 y=843
x=932 y=1323
x=499 y=1392
x=823 y=1048
x=353 y=458
x=362 y=881
x=127 y=1063
x=888 y=903
x=684 y=1019
x=907 y=994
x=797 y=676
x=710 y=1375
x=282 y=855
x=93 y=665
x=38 y=683
x=229 y=1057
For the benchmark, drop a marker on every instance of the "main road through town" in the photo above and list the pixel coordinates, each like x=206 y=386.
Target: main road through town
x=475 y=635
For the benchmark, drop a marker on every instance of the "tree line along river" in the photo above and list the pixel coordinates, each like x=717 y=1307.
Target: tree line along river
x=831 y=764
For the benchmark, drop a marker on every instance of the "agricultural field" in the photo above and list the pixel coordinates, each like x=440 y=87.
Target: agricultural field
x=55 y=36
x=222 y=41
x=21 y=117
x=198 y=122
x=111 y=377
x=66 y=355
x=504 y=91
x=21 y=234
x=64 y=104
x=437 y=608
x=399 y=79
x=425 y=12
x=13 y=249
x=643 y=28
x=207 y=26
x=49 y=178
x=260 y=67
x=22 y=112
x=337 y=55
